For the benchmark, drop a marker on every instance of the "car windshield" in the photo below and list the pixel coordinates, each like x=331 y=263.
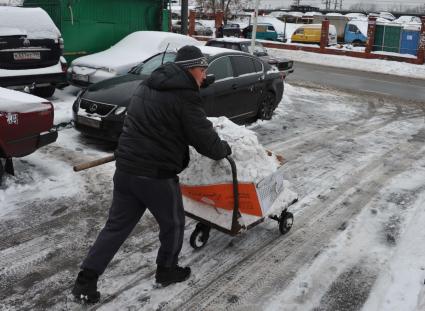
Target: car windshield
x=154 y=62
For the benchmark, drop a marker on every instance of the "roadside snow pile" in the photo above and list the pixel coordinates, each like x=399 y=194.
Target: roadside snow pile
x=254 y=165
x=252 y=161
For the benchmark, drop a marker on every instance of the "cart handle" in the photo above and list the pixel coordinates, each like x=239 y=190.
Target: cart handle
x=235 y=224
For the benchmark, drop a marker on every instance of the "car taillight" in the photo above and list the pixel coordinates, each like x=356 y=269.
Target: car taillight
x=64 y=64
x=61 y=44
x=48 y=111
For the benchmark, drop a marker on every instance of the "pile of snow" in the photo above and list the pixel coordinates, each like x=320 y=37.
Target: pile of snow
x=254 y=165
x=252 y=161
x=34 y=22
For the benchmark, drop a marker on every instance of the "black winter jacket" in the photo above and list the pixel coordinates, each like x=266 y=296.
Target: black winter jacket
x=164 y=117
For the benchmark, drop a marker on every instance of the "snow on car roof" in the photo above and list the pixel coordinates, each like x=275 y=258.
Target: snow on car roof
x=135 y=48
x=34 y=22
x=14 y=101
x=212 y=50
x=232 y=39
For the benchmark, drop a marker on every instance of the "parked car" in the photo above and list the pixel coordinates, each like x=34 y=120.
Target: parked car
x=311 y=33
x=26 y=123
x=265 y=31
x=30 y=51
x=337 y=20
x=232 y=30
x=200 y=29
x=245 y=89
x=124 y=55
x=356 y=32
x=284 y=65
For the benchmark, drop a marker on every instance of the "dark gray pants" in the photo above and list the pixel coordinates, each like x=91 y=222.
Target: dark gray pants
x=132 y=195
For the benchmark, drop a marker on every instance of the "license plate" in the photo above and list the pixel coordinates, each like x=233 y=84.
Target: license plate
x=79 y=77
x=26 y=55
x=89 y=122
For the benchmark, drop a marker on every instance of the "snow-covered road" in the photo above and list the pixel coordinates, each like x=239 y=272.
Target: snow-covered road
x=357 y=163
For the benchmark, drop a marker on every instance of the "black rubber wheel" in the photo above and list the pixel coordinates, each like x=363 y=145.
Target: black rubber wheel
x=267 y=105
x=44 y=92
x=286 y=221
x=357 y=43
x=199 y=236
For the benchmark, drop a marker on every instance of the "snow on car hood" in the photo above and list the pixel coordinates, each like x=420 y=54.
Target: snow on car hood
x=13 y=101
x=133 y=49
x=34 y=22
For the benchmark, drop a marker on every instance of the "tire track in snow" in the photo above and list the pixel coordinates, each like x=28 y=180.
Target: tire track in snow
x=324 y=220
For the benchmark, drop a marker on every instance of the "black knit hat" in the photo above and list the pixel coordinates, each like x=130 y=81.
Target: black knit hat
x=190 y=56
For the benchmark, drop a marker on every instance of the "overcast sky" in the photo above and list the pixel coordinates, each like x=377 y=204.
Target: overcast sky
x=383 y=4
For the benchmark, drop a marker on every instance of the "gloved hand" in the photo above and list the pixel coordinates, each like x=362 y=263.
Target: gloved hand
x=227 y=148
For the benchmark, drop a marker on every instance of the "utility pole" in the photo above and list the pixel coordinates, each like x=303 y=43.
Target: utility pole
x=184 y=16
x=296 y=2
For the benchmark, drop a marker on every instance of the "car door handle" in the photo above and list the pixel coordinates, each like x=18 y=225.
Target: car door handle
x=234 y=86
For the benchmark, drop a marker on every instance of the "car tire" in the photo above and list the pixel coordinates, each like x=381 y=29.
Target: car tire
x=44 y=92
x=266 y=106
x=357 y=43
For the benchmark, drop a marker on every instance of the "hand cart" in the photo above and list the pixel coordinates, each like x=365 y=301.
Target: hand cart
x=234 y=201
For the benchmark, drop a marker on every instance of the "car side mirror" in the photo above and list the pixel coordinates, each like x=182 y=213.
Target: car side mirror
x=208 y=81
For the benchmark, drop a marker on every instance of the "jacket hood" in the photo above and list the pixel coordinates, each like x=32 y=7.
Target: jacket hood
x=171 y=76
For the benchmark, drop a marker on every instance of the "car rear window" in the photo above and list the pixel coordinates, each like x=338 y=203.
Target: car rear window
x=221 y=68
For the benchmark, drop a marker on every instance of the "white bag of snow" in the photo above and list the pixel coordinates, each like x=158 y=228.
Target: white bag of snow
x=254 y=165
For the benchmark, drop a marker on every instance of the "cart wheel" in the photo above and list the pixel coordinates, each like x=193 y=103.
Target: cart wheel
x=286 y=220
x=199 y=236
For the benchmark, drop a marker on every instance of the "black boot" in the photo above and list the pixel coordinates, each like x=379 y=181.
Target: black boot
x=169 y=275
x=85 y=287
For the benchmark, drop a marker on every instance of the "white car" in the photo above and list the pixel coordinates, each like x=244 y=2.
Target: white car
x=124 y=55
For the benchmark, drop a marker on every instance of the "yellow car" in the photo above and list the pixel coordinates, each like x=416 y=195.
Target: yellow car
x=310 y=33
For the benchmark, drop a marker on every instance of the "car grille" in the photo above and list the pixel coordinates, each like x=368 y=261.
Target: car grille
x=96 y=107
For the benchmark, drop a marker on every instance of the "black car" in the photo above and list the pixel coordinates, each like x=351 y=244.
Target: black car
x=232 y=30
x=283 y=64
x=245 y=89
x=30 y=51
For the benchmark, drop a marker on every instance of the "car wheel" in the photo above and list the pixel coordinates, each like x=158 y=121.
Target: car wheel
x=44 y=92
x=267 y=105
x=357 y=43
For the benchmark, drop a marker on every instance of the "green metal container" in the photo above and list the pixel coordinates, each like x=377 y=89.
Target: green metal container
x=387 y=38
x=90 y=26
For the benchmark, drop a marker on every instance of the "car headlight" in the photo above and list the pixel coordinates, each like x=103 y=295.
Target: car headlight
x=120 y=110
x=77 y=102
